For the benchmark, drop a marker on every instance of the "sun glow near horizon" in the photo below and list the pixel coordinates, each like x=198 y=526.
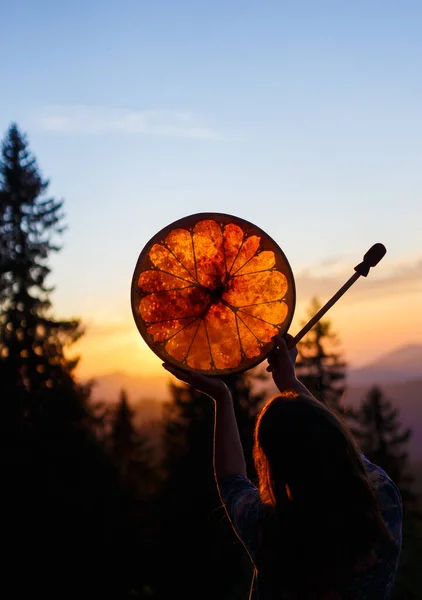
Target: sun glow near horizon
x=367 y=329
x=123 y=351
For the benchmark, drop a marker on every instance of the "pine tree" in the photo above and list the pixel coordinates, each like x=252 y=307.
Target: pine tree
x=319 y=366
x=383 y=441
x=32 y=342
x=131 y=451
x=61 y=497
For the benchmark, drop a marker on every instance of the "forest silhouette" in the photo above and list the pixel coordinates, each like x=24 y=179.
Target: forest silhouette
x=90 y=506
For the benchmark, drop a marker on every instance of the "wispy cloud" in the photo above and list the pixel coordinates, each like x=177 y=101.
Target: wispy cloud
x=324 y=279
x=97 y=120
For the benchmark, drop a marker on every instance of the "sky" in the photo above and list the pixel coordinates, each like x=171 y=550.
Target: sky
x=302 y=117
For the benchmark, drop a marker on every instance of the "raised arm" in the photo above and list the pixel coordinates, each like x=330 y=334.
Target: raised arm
x=228 y=452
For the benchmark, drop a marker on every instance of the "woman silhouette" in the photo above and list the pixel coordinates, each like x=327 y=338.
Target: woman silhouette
x=323 y=523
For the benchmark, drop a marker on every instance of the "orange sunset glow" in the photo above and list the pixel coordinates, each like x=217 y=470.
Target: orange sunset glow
x=367 y=327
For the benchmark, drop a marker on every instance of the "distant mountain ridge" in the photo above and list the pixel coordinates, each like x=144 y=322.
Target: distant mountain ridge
x=398 y=373
x=108 y=387
x=402 y=364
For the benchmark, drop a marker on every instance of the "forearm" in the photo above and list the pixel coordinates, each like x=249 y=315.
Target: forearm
x=298 y=387
x=228 y=452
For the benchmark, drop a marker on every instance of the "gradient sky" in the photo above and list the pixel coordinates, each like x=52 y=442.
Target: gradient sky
x=303 y=117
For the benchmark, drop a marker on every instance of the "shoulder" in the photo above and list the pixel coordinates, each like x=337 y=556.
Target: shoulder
x=238 y=489
x=388 y=493
x=389 y=498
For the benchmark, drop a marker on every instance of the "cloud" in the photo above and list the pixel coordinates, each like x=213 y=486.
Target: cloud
x=324 y=279
x=97 y=120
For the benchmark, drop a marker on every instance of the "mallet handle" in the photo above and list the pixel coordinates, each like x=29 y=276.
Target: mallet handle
x=323 y=310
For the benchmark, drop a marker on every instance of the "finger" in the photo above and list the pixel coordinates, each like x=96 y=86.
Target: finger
x=293 y=351
x=174 y=369
x=289 y=340
x=179 y=376
x=280 y=342
x=179 y=373
x=196 y=380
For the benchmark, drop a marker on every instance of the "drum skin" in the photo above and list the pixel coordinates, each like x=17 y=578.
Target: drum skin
x=210 y=291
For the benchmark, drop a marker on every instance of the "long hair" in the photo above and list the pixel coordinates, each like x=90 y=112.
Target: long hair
x=325 y=515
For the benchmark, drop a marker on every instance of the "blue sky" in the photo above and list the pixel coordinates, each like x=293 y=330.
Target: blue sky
x=303 y=117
